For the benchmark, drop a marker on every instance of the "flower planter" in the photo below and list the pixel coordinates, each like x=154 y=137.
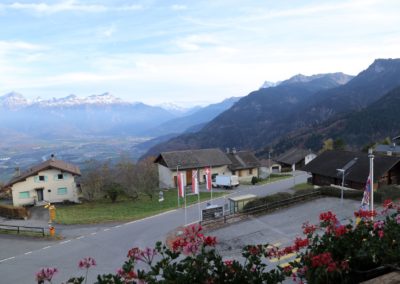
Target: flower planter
x=363 y=275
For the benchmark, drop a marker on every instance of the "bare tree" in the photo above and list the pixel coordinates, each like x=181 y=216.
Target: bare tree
x=94 y=178
x=146 y=177
x=125 y=169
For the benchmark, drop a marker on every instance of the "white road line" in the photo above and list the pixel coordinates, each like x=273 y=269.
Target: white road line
x=150 y=217
x=7 y=259
x=28 y=252
x=65 y=242
x=118 y=226
x=46 y=247
x=81 y=237
x=107 y=229
x=94 y=233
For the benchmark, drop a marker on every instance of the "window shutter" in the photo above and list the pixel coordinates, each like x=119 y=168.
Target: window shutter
x=45 y=178
x=36 y=178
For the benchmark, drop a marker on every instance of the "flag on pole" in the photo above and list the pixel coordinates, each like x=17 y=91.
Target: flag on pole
x=195 y=182
x=367 y=193
x=208 y=178
x=181 y=186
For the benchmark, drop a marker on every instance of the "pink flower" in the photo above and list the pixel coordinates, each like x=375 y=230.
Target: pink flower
x=379 y=225
x=86 y=263
x=398 y=218
x=380 y=234
x=45 y=274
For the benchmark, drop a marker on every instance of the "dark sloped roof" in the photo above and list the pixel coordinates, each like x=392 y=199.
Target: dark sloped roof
x=388 y=148
x=268 y=162
x=243 y=160
x=191 y=159
x=327 y=163
x=293 y=156
x=49 y=164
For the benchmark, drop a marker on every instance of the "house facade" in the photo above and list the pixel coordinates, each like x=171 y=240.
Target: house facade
x=269 y=166
x=187 y=161
x=244 y=164
x=295 y=159
x=325 y=169
x=51 y=181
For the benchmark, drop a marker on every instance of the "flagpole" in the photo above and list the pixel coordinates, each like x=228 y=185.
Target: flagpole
x=198 y=203
x=177 y=183
x=211 y=184
x=184 y=192
x=371 y=170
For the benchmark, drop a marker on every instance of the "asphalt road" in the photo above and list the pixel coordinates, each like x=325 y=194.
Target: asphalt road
x=21 y=258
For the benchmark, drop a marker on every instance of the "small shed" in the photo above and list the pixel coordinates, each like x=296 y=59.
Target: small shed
x=237 y=203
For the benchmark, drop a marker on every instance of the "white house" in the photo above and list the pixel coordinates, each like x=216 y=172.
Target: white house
x=51 y=181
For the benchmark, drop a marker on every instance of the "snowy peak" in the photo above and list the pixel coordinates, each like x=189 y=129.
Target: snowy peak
x=268 y=84
x=13 y=100
x=339 y=77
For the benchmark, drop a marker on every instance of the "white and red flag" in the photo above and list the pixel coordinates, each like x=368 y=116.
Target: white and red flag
x=367 y=193
x=181 y=185
x=195 y=182
x=208 y=178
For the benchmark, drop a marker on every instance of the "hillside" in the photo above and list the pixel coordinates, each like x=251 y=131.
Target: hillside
x=250 y=122
x=301 y=111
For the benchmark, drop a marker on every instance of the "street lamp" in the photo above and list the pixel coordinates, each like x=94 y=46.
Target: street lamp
x=344 y=172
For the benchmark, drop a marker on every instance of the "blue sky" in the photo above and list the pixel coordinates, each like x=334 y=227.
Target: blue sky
x=187 y=52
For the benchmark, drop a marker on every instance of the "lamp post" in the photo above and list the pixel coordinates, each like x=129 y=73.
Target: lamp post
x=371 y=173
x=342 y=171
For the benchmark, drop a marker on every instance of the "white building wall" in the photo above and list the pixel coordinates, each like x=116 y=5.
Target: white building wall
x=54 y=189
x=166 y=177
x=309 y=158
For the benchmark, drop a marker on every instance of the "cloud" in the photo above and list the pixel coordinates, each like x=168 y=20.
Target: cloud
x=7 y=46
x=67 y=5
x=196 y=42
x=177 y=7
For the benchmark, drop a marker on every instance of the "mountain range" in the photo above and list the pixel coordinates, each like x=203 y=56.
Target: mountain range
x=103 y=114
x=303 y=111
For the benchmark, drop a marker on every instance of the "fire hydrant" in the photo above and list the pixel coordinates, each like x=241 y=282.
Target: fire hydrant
x=52 y=231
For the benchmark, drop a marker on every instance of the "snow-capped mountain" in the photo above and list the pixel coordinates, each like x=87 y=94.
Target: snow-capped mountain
x=13 y=100
x=268 y=84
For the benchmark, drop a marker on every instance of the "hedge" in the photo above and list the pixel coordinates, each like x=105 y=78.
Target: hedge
x=14 y=212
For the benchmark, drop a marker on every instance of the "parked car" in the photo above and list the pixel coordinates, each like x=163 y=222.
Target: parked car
x=225 y=181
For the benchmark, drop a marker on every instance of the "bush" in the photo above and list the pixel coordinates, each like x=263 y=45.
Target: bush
x=336 y=192
x=389 y=192
x=14 y=212
x=254 y=180
x=267 y=199
x=303 y=191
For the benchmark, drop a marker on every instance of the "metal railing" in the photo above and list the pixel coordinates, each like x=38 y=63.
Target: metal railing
x=265 y=207
x=20 y=229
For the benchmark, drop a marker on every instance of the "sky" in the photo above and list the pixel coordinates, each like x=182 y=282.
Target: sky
x=185 y=52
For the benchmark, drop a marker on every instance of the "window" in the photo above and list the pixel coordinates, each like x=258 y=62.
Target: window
x=42 y=178
x=250 y=171
x=60 y=176
x=62 y=191
x=24 y=194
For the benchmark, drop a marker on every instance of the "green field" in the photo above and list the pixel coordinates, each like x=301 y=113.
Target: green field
x=124 y=208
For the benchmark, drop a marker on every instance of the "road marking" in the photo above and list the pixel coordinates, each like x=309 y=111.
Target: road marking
x=118 y=226
x=94 y=233
x=283 y=257
x=65 y=242
x=274 y=245
x=29 y=252
x=81 y=237
x=46 y=247
x=150 y=217
x=107 y=229
x=7 y=259
x=195 y=222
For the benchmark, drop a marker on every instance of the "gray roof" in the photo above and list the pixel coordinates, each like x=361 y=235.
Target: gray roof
x=193 y=159
x=327 y=163
x=387 y=148
x=293 y=156
x=49 y=164
x=243 y=160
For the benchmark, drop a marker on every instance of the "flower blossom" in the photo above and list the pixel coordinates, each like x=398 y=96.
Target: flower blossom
x=192 y=240
x=86 y=263
x=45 y=274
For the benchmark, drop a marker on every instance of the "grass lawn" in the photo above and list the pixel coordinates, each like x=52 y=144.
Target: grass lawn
x=272 y=178
x=124 y=209
x=302 y=186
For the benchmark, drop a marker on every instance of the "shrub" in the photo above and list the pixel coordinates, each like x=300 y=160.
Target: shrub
x=267 y=199
x=336 y=192
x=15 y=212
x=303 y=191
x=389 y=192
x=254 y=180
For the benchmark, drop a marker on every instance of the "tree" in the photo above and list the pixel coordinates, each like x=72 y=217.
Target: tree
x=146 y=177
x=113 y=189
x=94 y=177
x=125 y=169
x=327 y=145
x=339 y=144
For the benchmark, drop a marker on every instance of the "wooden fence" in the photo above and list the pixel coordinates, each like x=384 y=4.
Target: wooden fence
x=21 y=229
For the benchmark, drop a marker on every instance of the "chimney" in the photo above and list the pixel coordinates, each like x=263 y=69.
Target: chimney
x=52 y=157
x=227 y=150
x=17 y=172
x=234 y=150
